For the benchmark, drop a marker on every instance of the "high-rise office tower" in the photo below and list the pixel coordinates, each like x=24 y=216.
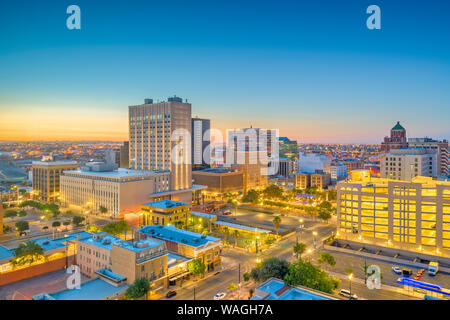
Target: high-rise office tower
x=160 y=138
x=125 y=155
x=200 y=140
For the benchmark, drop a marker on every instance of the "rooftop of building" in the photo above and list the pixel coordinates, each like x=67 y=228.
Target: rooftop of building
x=97 y=289
x=203 y=215
x=108 y=274
x=409 y=151
x=174 y=259
x=54 y=163
x=241 y=227
x=276 y=289
x=165 y=204
x=116 y=174
x=216 y=170
x=106 y=241
x=5 y=253
x=171 y=233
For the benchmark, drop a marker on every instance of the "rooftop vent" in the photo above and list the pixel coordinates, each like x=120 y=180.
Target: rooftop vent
x=46 y=242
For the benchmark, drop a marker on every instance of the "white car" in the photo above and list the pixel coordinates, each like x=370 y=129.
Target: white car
x=397 y=270
x=347 y=294
x=220 y=296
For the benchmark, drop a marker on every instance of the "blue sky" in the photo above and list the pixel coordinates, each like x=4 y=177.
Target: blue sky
x=309 y=68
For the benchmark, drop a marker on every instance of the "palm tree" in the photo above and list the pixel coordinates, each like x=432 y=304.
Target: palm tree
x=299 y=249
x=226 y=231
x=236 y=237
x=276 y=222
x=103 y=210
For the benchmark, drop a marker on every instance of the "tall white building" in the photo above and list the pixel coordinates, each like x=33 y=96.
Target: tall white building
x=338 y=171
x=405 y=164
x=441 y=147
x=160 y=139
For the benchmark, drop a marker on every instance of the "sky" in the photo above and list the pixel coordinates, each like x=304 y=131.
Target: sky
x=311 y=69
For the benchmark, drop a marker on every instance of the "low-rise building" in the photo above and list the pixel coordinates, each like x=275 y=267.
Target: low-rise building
x=119 y=191
x=321 y=180
x=219 y=180
x=186 y=243
x=132 y=260
x=164 y=212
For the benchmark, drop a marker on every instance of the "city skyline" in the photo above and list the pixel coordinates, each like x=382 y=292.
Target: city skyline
x=317 y=73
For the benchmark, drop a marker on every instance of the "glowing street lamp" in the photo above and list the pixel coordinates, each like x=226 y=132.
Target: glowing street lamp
x=350 y=276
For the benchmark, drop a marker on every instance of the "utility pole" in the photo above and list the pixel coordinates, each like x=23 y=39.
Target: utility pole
x=194 y=293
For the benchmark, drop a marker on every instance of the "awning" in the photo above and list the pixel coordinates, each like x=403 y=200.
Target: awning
x=179 y=276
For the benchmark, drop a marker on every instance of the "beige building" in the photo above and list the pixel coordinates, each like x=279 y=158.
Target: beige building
x=440 y=147
x=164 y=212
x=254 y=169
x=46 y=178
x=186 y=243
x=120 y=191
x=411 y=215
x=132 y=260
x=160 y=138
x=320 y=180
x=405 y=164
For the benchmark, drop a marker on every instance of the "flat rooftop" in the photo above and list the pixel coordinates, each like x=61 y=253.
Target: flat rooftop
x=203 y=215
x=116 y=174
x=215 y=170
x=276 y=289
x=54 y=163
x=106 y=241
x=97 y=289
x=165 y=204
x=171 y=233
x=241 y=227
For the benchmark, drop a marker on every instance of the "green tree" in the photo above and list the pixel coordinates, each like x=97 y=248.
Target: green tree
x=273 y=191
x=251 y=292
x=272 y=267
x=138 y=289
x=10 y=213
x=66 y=223
x=276 y=223
x=299 y=249
x=116 y=228
x=102 y=209
x=246 y=276
x=22 y=226
x=252 y=196
x=324 y=215
x=27 y=253
x=77 y=220
x=308 y=275
x=226 y=231
x=56 y=224
x=326 y=258
x=196 y=267
x=236 y=237
x=232 y=286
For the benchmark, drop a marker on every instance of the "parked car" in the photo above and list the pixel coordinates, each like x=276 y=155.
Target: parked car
x=345 y=293
x=226 y=213
x=397 y=270
x=171 y=293
x=220 y=296
x=407 y=272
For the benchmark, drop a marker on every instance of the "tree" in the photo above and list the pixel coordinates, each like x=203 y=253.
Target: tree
x=116 y=228
x=10 y=213
x=324 y=215
x=77 y=220
x=138 y=289
x=246 y=276
x=252 y=196
x=273 y=192
x=276 y=223
x=308 y=275
x=196 y=267
x=232 y=286
x=66 y=223
x=56 y=224
x=102 y=209
x=250 y=293
x=299 y=249
x=272 y=267
x=225 y=233
x=92 y=228
x=22 y=226
x=27 y=253
x=326 y=258
x=236 y=237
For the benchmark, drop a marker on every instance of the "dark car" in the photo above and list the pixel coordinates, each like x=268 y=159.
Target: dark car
x=406 y=272
x=226 y=213
x=171 y=293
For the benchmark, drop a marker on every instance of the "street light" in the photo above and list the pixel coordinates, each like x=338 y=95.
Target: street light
x=314 y=238
x=350 y=276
